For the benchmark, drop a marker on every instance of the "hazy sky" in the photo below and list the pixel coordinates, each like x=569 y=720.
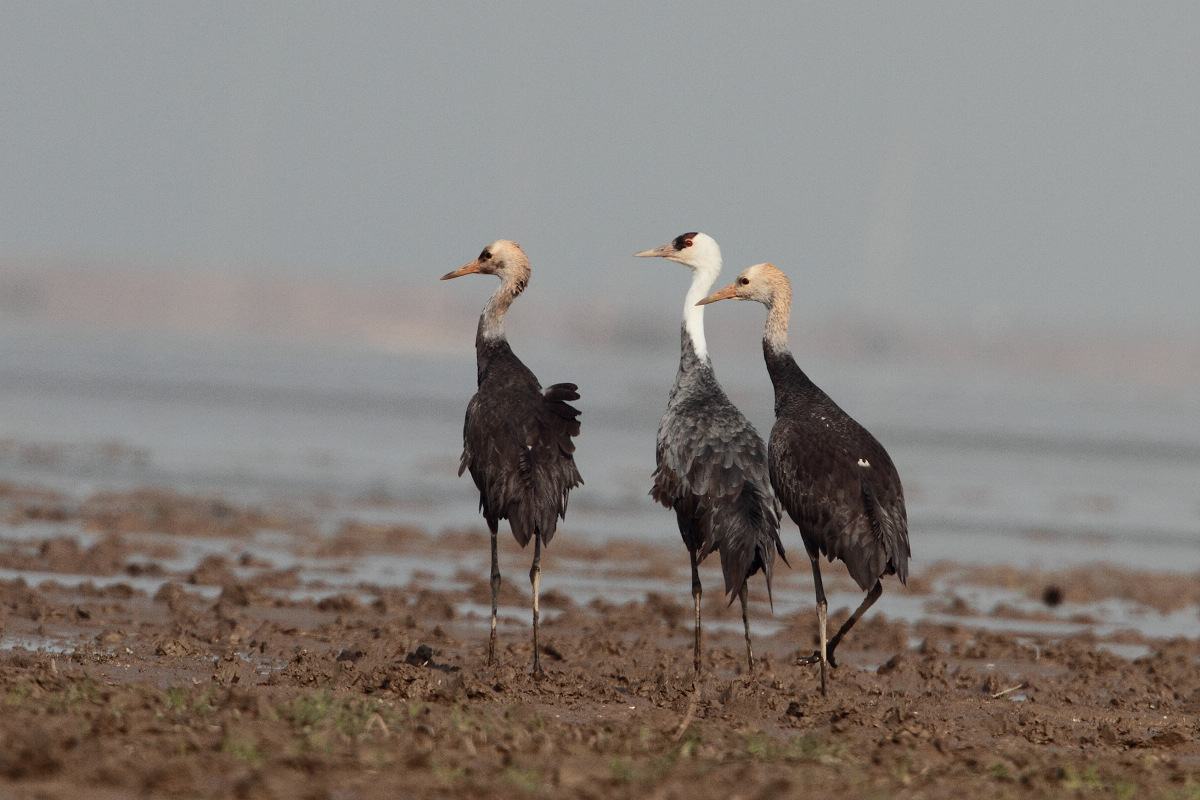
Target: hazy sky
x=972 y=159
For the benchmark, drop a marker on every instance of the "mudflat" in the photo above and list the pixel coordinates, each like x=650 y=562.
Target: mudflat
x=152 y=649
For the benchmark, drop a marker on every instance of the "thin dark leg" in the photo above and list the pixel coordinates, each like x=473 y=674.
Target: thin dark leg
x=746 y=623
x=535 y=577
x=495 y=595
x=867 y=602
x=822 y=621
x=696 y=592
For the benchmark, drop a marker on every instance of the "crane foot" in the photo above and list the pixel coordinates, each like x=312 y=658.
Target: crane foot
x=815 y=658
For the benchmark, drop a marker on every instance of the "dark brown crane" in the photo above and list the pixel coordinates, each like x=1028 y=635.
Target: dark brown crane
x=711 y=462
x=517 y=435
x=835 y=479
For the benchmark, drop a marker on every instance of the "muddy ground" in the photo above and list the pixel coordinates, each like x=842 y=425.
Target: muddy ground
x=237 y=675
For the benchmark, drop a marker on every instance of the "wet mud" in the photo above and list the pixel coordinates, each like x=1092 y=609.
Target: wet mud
x=153 y=645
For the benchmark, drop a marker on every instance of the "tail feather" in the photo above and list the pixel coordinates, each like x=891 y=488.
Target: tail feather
x=750 y=541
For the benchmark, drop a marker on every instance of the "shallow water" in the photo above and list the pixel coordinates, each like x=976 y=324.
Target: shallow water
x=997 y=467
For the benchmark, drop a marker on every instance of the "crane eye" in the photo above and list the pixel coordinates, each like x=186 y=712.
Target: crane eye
x=687 y=242
x=744 y=281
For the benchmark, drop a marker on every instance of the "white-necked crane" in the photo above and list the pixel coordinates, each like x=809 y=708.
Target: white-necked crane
x=711 y=462
x=517 y=435
x=835 y=479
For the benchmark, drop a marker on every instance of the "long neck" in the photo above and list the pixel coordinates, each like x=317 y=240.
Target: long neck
x=786 y=375
x=491 y=321
x=779 y=308
x=703 y=277
x=689 y=359
x=490 y=342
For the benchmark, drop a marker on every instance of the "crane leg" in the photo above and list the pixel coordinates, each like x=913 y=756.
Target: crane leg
x=867 y=602
x=696 y=593
x=535 y=578
x=821 y=655
x=495 y=594
x=746 y=623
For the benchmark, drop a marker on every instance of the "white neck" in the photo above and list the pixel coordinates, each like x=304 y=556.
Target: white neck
x=704 y=275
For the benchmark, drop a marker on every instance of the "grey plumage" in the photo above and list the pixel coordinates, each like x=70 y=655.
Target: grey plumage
x=711 y=463
x=712 y=471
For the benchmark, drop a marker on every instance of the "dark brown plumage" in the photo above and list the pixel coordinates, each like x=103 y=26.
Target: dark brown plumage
x=517 y=437
x=834 y=478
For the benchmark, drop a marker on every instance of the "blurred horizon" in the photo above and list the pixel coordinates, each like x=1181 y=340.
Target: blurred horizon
x=209 y=305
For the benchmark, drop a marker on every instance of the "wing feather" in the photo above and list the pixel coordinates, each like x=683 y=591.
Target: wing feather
x=518 y=445
x=712 y=471
x=840 y=487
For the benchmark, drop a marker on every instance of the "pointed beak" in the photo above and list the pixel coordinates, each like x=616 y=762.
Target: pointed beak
x=728 y=293
x=466 y=269
x=666 y=251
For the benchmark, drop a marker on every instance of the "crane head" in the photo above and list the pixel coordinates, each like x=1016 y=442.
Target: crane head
x=502 y=257
x=763 y=282
x=695 y=250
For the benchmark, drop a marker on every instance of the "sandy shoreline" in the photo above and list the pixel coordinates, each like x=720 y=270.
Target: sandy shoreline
x=165 y=645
